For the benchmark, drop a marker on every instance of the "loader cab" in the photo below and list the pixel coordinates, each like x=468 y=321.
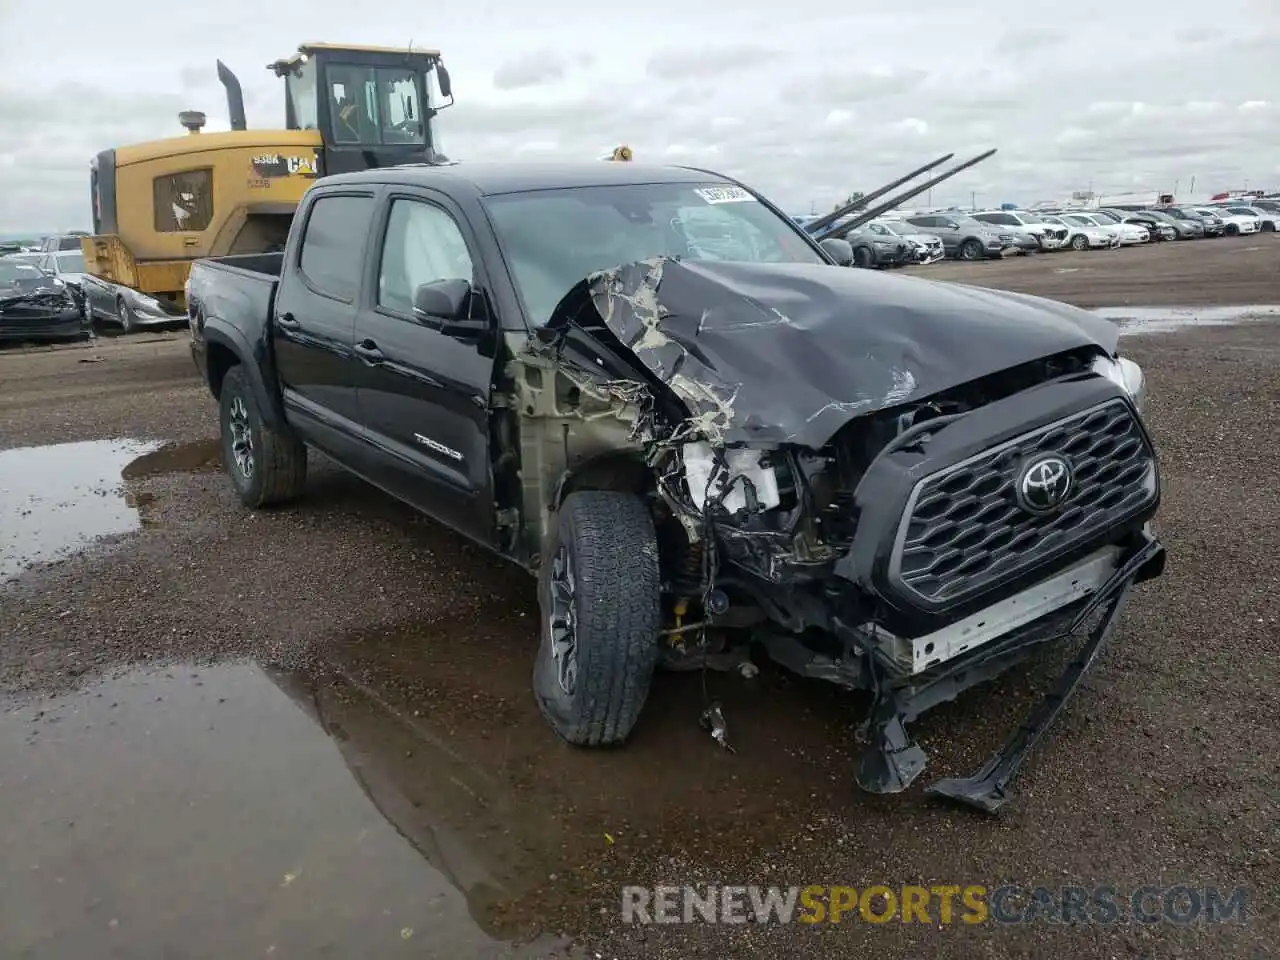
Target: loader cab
x=372 y=106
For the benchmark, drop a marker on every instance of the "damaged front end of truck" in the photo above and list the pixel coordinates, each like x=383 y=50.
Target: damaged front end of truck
x=899 y=486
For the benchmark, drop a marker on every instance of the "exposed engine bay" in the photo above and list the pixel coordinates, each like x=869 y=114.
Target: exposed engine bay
x=906 y=500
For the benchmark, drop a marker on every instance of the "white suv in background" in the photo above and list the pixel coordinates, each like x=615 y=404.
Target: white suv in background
x=1236 y=223
x=1049 y=235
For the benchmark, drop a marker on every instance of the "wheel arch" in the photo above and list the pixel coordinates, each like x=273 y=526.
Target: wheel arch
x=226 y=348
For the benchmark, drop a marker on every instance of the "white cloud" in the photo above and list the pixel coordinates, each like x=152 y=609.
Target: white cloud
x=808 y=102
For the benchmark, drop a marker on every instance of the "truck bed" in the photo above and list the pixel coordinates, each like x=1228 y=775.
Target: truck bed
x=239 y=290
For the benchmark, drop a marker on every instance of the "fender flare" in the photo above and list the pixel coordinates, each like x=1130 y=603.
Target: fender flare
x=270 y=407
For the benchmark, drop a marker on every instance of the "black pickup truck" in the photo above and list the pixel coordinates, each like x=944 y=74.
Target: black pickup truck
x=701 y=449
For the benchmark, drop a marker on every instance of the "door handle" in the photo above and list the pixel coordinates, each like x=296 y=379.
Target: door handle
x=368 y=351
x=288 y=321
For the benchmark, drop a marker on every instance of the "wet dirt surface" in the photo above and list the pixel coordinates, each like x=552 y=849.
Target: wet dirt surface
x=108 y=853
x=413 y=650
x=1217 y=272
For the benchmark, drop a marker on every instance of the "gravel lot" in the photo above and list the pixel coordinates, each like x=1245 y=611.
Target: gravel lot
x=411 y=652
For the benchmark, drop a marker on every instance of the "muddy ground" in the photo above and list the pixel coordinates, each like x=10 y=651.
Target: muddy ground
x=309 y=732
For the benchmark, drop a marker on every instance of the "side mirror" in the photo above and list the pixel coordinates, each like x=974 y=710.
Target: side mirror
x=443 y=81
x=838 y=250
x=445 y=305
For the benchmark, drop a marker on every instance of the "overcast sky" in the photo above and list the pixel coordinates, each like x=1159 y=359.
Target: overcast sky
x=807 y=101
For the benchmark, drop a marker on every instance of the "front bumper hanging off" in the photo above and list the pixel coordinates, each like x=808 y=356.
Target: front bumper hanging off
x=892 y=760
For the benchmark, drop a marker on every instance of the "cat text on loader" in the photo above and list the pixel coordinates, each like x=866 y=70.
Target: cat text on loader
x=158 y=206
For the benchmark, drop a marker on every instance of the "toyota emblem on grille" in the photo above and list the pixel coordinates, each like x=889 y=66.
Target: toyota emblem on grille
x=1044 y=484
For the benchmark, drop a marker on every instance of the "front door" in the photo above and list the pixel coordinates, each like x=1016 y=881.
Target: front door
x=424 y=396
x=313 y=326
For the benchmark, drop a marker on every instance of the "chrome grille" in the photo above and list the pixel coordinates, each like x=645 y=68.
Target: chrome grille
x=963 y=528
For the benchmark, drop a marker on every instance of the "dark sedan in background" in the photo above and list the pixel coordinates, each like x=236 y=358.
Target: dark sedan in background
x=1212 y=226
x=37 y=306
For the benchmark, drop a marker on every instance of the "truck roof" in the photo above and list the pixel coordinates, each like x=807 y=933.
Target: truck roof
x=489 y=178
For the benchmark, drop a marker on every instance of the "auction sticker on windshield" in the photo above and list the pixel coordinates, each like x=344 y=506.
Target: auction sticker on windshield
x=725 y=194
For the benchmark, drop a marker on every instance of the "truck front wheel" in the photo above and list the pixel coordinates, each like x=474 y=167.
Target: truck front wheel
x=265 y=466
x=599 y=598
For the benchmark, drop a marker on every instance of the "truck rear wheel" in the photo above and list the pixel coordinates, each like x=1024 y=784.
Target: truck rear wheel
x=265 y=466
x=599 y=597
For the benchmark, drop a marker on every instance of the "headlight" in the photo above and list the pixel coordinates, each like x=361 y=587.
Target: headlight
x=1125 y=374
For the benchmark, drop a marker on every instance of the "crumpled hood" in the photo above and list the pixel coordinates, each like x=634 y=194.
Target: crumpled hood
x=789 y=353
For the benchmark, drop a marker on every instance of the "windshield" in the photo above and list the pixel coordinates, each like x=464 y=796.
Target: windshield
x=1080 y=221
x=553 y=239
x=375 y=104
x=1106 y=217
x=1241 y=211
x=13 y=272
x=71 y=262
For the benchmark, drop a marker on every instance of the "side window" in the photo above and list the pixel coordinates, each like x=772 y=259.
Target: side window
x=183 y=201
x=877 y=228
x=423 y=244
x=332 y=247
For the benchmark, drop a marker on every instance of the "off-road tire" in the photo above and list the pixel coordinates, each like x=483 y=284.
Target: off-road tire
x=1079 y=242
x=614 y=551
x=971 y=250
x=279 y=471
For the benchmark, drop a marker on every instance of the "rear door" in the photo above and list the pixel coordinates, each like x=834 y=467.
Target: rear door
x=424 y=396
x=314 y=318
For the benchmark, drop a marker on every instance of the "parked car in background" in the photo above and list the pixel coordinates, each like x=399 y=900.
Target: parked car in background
x=1129 y=233
x=1021 y=223
x=964 y=237
x=1084 y=233
x=24 y=256
x=36 y=306
x=111 y=303
x=1266 y=218
x=1212 y=224
x=925 y=247
x=1186 y=229
x=1155 y=226
x=874 y=246
x=62 y=241
x=67 y=266
x=1234 y=224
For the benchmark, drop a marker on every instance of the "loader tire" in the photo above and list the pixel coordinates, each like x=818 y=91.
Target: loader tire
x=598 y=595
x=266 y=466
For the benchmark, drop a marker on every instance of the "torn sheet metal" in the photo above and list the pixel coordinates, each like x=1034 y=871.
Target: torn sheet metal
x=789 y=353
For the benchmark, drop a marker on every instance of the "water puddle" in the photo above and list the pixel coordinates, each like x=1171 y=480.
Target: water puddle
x=1168 y=319
x=228 y=811
x=58 y=499
x=203 y=455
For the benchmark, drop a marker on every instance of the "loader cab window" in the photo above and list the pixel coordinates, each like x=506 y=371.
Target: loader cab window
x=301 y=88
x=375 y=105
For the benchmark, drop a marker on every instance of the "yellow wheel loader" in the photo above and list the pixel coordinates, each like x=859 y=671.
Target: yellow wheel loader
x=157 y=206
